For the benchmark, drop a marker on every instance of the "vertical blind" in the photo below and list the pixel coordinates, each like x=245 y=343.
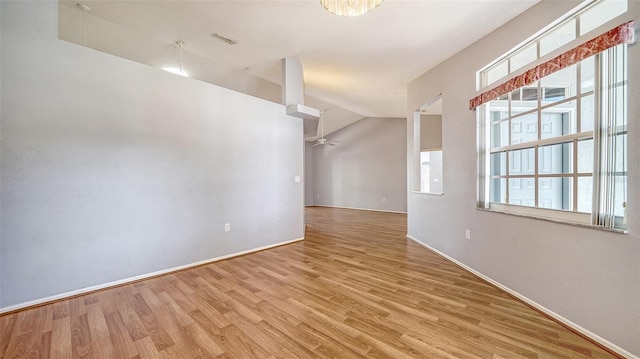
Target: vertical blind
x=610 y=137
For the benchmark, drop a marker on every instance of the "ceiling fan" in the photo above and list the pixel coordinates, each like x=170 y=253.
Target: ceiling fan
x=322 y=140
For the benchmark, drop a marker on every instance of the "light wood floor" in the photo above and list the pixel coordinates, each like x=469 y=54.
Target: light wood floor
x=356 y=287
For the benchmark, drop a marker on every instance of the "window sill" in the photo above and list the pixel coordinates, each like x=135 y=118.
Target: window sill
x=554 y=220
x=428 y=193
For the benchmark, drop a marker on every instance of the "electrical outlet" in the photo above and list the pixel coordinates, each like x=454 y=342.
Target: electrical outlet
x=384 y=199
x=467 y=234
x=227 y=227
x=296 y=179
x=318 y=196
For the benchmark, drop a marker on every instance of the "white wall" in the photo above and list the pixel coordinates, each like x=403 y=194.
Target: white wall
x=368 y=164
x=590 y=277
x=113 y=169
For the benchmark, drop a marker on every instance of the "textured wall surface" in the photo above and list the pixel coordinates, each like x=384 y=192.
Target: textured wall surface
x=366 y=169
x=112 y=169
x=590 y=277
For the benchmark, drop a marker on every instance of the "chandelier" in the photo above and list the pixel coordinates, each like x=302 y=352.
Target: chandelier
x=350 y=7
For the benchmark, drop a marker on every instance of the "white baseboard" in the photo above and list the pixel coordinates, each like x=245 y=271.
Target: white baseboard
x=596 y=338
x=120 y=282
x=356 y=208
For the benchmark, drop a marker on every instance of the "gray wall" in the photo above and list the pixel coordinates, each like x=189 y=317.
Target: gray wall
x=430 y=132
x=369 y=164
x=590 y=277
x=308 y=174
x=113 y=169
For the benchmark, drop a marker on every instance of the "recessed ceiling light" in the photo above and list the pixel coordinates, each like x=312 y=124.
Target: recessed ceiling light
x=226 y=39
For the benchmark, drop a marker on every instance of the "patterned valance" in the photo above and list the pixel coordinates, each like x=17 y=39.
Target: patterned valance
x=623 y=34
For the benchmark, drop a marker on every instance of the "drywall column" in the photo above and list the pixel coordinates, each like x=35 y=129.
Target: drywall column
x=293 y=96
x=293 y=99
x=292 y=82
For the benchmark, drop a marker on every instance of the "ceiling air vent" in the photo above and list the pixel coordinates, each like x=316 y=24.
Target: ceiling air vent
x=226 y=39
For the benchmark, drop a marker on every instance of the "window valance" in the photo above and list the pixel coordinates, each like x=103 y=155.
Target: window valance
x=623 y=34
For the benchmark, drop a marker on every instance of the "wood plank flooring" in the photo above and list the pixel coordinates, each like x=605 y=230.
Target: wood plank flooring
x=355 y=288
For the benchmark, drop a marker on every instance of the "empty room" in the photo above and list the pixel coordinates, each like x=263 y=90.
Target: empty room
x=320 y=179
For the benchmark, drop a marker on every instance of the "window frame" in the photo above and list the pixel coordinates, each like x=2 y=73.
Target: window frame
x=573 y=138
x=484 y=139
x=584 y=9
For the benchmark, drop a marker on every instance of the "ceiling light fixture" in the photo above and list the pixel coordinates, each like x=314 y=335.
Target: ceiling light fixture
x=177 y=70
x=350 y=7
x=226 y=39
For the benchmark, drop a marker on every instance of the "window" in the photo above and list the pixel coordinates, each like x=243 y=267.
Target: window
x=557 y=148
x=428 y=169
x=559 y=145
x=595 y=15
x=431 y=171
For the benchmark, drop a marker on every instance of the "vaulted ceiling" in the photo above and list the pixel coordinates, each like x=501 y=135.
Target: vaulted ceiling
x=356 y=67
